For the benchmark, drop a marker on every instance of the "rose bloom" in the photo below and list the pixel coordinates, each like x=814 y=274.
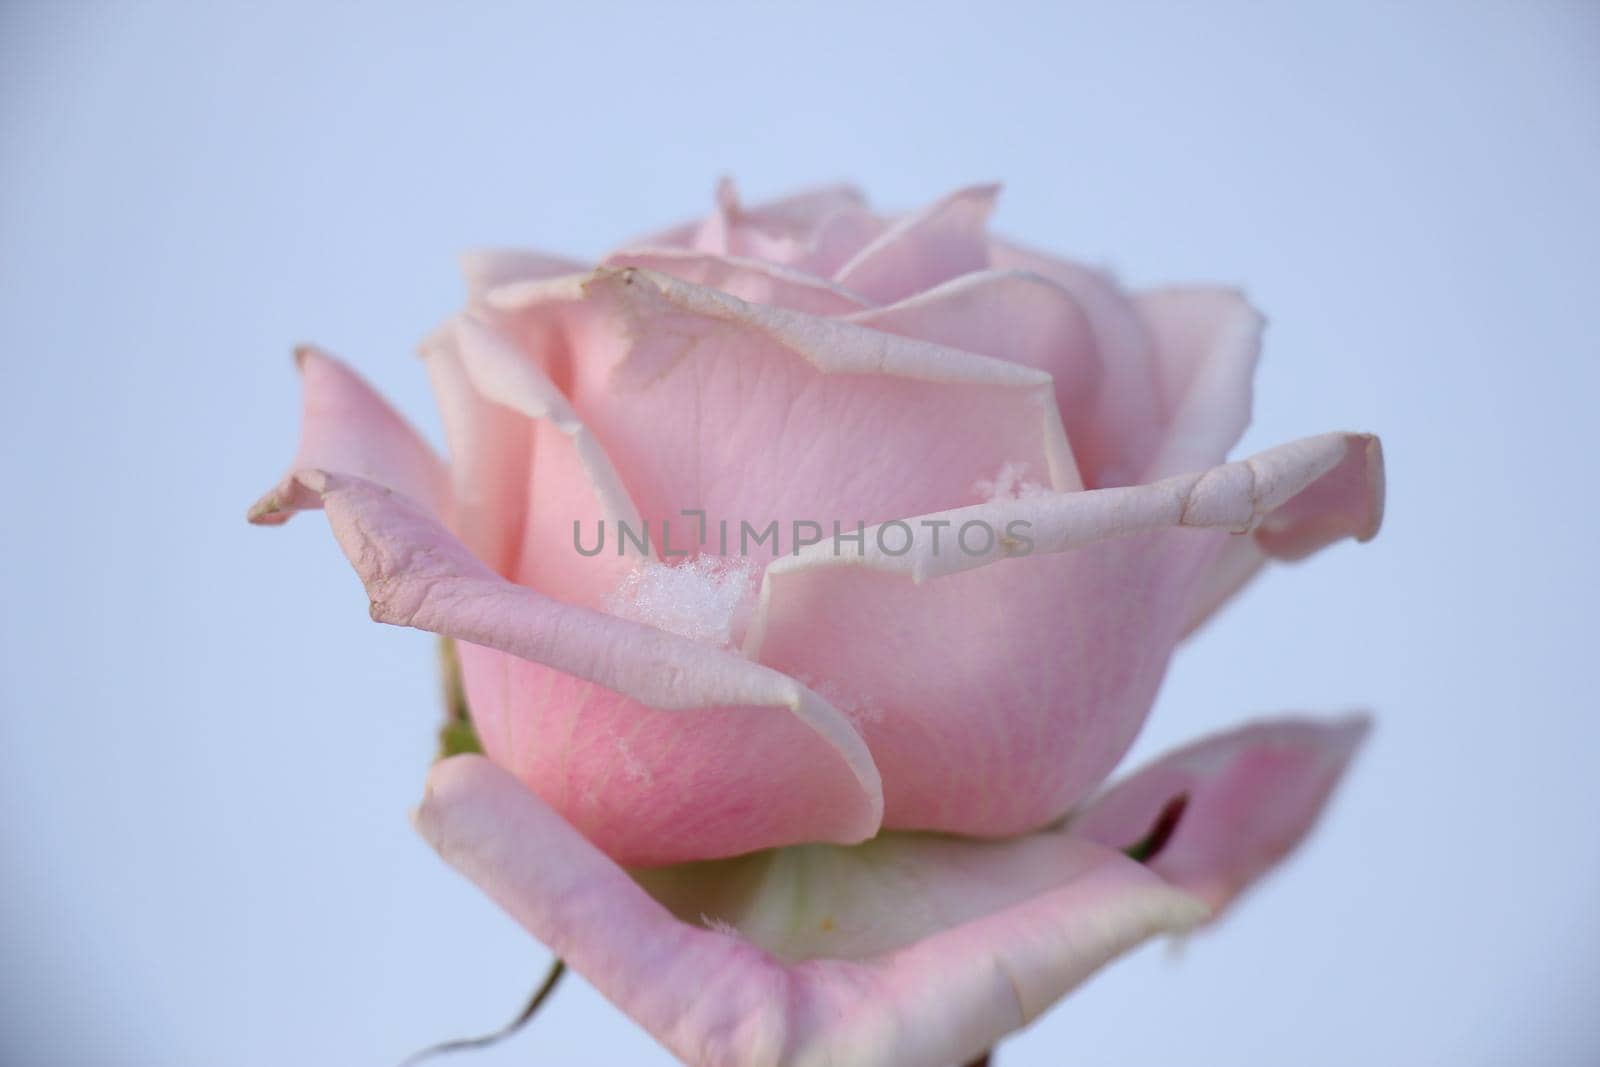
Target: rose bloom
x=843 y=804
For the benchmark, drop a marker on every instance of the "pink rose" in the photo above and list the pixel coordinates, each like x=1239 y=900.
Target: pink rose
x=802 y=707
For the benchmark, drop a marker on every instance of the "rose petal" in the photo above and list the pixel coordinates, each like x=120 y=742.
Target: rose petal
x=1207 y=341
x=814 y=230
x=728 y=231
x=1025 y=318
x=347 y=426
x=489 y=268
x=567 y=464
x=809 y=207
x=1131 y=387
x=1251 y=795
x=945 y=239
x=1347 y=501
x=490 y=447
x=751 y=280
x=766 y=762
x=837 y=237
x=1239 y=561
x=757 y=414
x=937 y=989
x=602 y=754
x=996 y=692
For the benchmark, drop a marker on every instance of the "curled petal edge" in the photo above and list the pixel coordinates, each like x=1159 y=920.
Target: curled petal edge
x=503 y=375
x=417 y=574
x=347 y=425
x=1244 y=497
x=787 y=286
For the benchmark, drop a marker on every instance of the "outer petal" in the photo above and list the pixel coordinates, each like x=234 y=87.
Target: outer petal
x=1240 y=560
x=756 y=414
x=946 y=239
x=997 y=690
x=940 y=989
x=1251 y=795
x=347 y=426
x=1345 y=502
x=766 y=762
x=1207 y=341
x=1132 y=387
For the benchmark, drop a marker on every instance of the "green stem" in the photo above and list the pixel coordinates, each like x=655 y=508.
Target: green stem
x=540 y=995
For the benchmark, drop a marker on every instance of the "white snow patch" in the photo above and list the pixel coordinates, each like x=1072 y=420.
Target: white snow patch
x=1010 y=484
x=703 y=598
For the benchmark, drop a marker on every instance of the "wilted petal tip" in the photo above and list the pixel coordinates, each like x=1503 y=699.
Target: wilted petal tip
x=1377 y=485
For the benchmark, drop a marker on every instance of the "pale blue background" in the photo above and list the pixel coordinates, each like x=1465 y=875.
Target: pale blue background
x=209 y=752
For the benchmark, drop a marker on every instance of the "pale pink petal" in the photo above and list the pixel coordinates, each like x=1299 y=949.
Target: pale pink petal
x=747 y=759
x=490 y=447
x=1131 y=388
x=1237 y=802
x=597 y=754
x=942 y=241
x=490 y=268
x=518 y=446
x=1180 y=363
x=998 y=680
x=1026 y=318
x=757 y=414
x=1206 y=344
x=752 y=280
x=992 y=699
x=346 y=426
x=1240 y=560
x=718 y=232
x=1347 y=501
x=814 y=230
x=808 y=207
x=970 y=958
x=836 y=238
x=571 y=479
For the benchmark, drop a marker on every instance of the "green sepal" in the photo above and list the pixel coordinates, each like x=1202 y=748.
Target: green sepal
x=457 y=735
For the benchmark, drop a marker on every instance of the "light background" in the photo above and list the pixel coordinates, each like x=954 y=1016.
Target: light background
x=209 y=752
